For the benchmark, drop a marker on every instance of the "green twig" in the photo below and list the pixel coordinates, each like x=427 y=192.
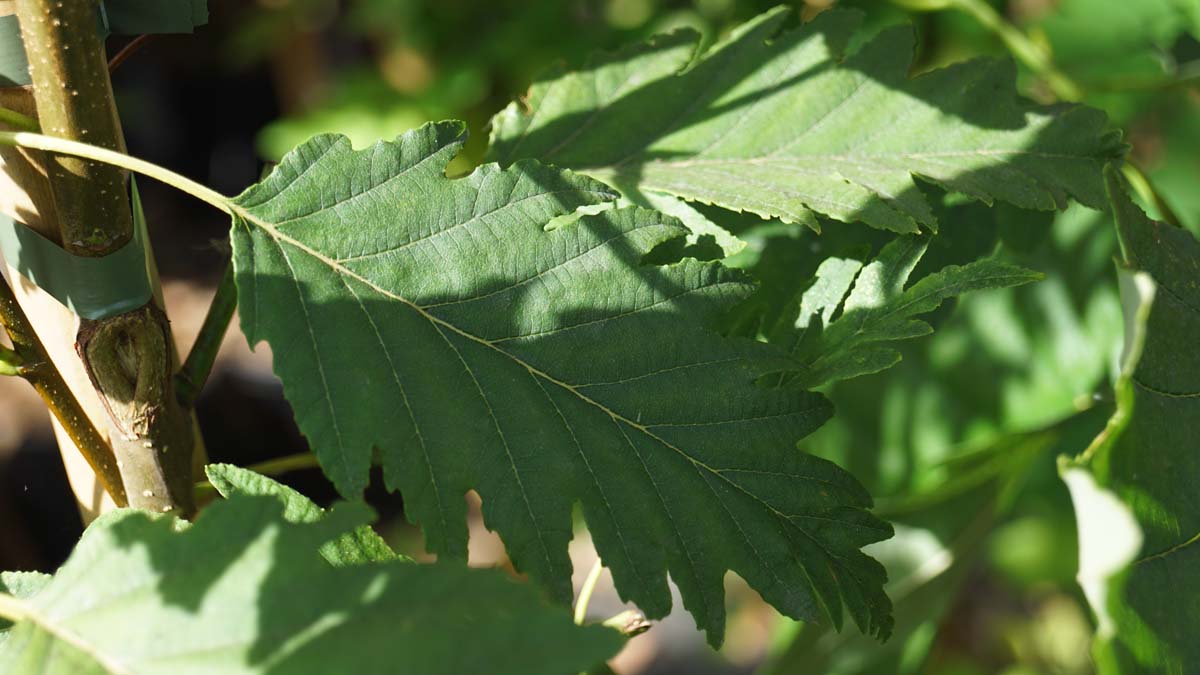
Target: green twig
x=196 y=369
x=271 y=467
x=10 y=362
x=296 y=462
x=585 y=593
x=16 y=120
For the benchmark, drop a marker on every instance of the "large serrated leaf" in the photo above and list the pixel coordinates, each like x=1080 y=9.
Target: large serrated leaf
x=1148 y=456
x=786 y=124
x=245 y=592
x=443 y=323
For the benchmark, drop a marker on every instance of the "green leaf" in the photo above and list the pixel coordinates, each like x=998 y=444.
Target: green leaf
x=878 y=308
x=20 y=585
x=244 y=591
x=1148 y=456
x=441 y=322
x=361 y=545
x=785 y=123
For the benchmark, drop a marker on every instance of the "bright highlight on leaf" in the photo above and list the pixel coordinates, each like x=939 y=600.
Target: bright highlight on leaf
x=785 y=123
x=245 y=592
x=876 y=308
x=440 y=322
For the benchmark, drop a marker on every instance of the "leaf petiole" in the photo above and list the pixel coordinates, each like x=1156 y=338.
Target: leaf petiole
x=63 y=146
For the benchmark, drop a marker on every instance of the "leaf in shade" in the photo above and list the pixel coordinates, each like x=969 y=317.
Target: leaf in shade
x=443 y=323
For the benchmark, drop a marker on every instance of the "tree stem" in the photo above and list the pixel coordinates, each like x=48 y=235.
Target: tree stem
x=74 y=100
x=129 y=358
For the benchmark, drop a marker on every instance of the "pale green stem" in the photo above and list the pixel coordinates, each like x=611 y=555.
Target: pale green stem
x=271 y=467
x=297 y=462
x=585 y=593
x=12 y=609
x=18 y=121
x=75 y=149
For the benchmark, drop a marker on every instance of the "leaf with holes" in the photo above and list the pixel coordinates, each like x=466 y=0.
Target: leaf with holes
x=785 y=123
x=244 y=591
x=445 y=324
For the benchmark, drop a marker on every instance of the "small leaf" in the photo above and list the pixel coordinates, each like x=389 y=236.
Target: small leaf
x=878 y=309
x=1149 y=456
x=244 y=591
x=785 y=124
x=443 y=323
x=358 y=546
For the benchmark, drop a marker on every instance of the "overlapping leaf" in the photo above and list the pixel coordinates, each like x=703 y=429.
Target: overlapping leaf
x=877 y=309
x=244 y=591
x=361 y=545
x=786 y=124
x=1149 y=455
x=441 y=322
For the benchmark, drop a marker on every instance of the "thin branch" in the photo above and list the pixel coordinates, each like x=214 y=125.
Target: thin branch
x=296 y=462
x=10 y=362
x=191 y=378
x=18 y=121
x=127 y=51
x=271 y=467
x=49 y=384
x=585 y=592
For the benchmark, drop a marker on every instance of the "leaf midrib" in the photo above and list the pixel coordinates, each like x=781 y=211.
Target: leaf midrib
x=34 y=617
x=333 y=264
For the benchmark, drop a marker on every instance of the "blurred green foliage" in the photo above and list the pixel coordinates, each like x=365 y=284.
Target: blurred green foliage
x=957 y=441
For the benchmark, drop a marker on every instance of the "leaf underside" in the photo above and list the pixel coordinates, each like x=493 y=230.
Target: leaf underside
x=1154 y=459
x=441 y=322
x=787 y=124
x=245 y=592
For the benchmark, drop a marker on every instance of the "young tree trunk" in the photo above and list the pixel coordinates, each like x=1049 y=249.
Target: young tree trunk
x=121 y=367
